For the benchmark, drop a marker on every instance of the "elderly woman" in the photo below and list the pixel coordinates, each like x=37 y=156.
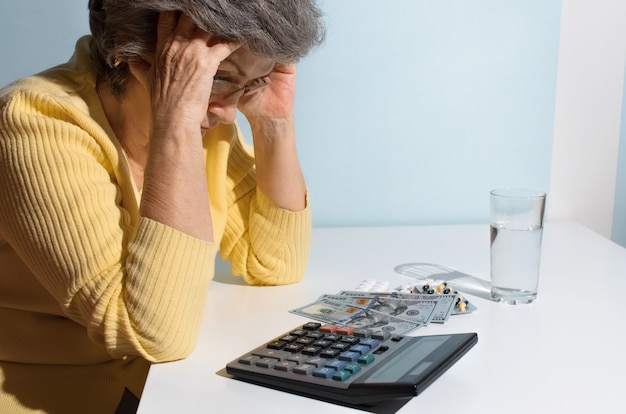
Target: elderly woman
x=122 y=173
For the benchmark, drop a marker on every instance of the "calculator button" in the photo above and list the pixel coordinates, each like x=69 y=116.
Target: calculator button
x=323 y=372
x=341 y=375
x=329 y=328
x=330 y=353
x=288 y=338
x=332 y=337
x=315 y=335
x=266 y=362
x=381 y=335
x=372 y=343
x=311 y=326
x=335 y=364
x=317 y=362
x=322 y=343
x=304 y=369
x=363 y=333
x=293 y=347
x=284 y=366
x=298 y=332
x=360 y=349
x=342 y=346
x=271 y=353
x=366 y=359
x=276 y=344
x=249 y=360
x=346 y=330
x=352 y=368
x=305 y=341
x=299 y=358
x=350 y=340
x=311 y=350
x=349 y=356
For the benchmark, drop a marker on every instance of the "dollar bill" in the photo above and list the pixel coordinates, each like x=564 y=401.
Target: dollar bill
x=420 y=311
x=328 y=311
x=379 y=323
x=367 y=313
x=445 y=304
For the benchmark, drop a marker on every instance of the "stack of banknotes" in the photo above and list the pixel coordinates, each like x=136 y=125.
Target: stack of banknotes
x=394 y=312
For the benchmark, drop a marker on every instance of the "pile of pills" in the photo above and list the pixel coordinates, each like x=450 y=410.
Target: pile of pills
x=428 y=288
x=441 y=289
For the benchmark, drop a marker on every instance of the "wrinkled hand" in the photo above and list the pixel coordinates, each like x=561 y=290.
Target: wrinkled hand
x=181 y=75
x=276 y=100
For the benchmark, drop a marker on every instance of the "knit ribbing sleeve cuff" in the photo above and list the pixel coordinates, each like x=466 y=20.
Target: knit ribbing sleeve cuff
x=168 y=277
x=280 y=242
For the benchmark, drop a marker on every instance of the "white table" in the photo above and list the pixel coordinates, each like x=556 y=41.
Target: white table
x=564 y=353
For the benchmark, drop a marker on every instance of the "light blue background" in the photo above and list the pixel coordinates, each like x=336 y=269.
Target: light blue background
x=37 y=34
x=413 y=110
x=409 y=113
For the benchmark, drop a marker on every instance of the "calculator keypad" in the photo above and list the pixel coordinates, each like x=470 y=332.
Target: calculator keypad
x=321 y=351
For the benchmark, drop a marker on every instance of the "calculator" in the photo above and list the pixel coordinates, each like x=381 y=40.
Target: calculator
x=352 y=366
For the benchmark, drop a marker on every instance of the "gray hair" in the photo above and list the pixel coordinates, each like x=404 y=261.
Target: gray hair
x=282 y=30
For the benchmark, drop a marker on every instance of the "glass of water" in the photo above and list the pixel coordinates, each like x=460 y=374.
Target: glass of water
x=516 y=232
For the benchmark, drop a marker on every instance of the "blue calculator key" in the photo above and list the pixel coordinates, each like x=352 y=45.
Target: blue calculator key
x=335 y=364
x=349 y=356
x=360 y=349
x=323 y=372
x=372 y=343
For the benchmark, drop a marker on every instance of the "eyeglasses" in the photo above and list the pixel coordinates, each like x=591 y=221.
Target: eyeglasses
x=224 y=89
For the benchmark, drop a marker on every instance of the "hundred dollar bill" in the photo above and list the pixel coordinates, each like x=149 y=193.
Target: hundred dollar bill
x=325 y=310
x=342 y=312
x=418 y=310
x=381 y=323
x=445 y=304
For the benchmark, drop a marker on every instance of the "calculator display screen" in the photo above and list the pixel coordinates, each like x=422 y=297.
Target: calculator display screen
x=410 y=361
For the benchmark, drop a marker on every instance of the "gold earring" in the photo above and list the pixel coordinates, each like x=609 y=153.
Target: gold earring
x=117 y=62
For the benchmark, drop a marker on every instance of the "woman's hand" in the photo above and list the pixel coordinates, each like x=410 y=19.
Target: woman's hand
x=181 y=75
x=276 y=100
x=179 y=82
x=270 y=114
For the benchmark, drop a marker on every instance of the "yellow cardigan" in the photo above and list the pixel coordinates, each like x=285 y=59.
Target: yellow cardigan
x=91 y=292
